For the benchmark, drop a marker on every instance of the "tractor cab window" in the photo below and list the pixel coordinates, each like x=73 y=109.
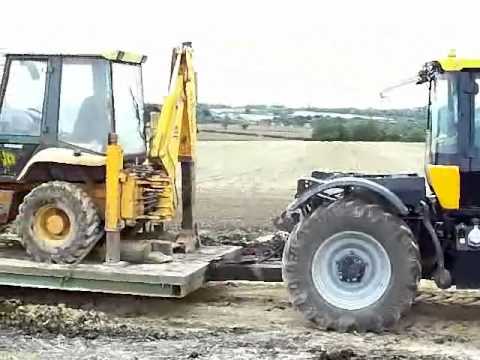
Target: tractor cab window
x=476 y=135
x=85 y=103
x=22 y=106
x=128 y=102
x=444 y=114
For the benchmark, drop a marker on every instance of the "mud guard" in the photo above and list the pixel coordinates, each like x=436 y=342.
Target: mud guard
x=62 y=156
x=343 y=182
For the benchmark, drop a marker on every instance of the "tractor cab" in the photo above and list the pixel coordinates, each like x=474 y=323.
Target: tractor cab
x=68 y=102
x=453 y=141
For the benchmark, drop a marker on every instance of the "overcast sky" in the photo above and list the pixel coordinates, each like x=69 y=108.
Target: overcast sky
x=320 y=53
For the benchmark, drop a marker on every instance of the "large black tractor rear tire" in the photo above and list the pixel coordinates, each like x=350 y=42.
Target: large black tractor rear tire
x=58 y=223
x=352 y=266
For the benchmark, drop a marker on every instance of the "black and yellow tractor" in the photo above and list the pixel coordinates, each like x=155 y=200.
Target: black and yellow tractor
x=77 y=159
x=359 y=244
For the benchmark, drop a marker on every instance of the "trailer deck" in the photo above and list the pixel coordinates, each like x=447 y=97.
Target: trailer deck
x=186 y=273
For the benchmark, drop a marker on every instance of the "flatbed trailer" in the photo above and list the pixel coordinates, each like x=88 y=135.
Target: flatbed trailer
x=176 y=279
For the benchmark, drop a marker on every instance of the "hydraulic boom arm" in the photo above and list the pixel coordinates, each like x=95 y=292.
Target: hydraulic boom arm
x=175 y=135
x=174 y=131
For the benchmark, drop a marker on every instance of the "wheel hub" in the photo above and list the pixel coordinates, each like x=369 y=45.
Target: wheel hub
x=51 y=224
x=351 y=268
x=55 y=224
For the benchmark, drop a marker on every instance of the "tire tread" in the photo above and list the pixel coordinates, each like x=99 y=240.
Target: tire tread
x=301 y=296
x=88 y=221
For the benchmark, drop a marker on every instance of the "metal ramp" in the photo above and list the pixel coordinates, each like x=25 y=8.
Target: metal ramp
x=186 y=273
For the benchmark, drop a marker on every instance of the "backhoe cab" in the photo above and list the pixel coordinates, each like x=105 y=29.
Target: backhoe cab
x=71 y=101
x=359 y=244
x=76 y=155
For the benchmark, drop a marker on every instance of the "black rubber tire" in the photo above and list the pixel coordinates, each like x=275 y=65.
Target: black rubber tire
x=86 y=224
x=353 y=215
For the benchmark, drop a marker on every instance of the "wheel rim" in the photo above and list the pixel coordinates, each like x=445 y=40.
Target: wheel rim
x=51 y=225
x=351 y=270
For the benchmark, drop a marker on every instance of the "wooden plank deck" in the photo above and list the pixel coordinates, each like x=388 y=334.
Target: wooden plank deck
x=186 y=273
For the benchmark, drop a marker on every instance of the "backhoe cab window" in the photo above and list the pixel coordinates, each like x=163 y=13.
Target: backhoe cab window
x=128 y=100
x=85 y=103
x=444 y=113
x=22 y=107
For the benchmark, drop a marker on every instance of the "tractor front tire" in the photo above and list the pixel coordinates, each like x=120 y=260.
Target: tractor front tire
x=352 y=266
x=58 y=223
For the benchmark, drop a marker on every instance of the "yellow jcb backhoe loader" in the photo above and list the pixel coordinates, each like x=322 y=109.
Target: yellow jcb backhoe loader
x=62 y=180
x=77 y=161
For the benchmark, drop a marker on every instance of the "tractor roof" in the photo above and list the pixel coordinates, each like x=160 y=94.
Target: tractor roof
x=452 y=63
x=116 y=55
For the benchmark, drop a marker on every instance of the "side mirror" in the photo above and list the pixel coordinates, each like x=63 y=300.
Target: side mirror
x=470 y=87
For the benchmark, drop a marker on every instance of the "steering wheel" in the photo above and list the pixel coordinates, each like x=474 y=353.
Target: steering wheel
x=35 y=110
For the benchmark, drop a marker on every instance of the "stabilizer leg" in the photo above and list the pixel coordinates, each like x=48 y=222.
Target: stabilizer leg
x=188 y=240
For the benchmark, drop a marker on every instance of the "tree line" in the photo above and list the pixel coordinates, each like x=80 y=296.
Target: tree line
x=366 y=130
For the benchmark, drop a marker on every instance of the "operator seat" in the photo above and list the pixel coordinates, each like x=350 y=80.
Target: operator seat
x=92 y=122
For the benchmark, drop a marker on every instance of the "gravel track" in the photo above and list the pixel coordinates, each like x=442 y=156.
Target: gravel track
x=225 y=320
